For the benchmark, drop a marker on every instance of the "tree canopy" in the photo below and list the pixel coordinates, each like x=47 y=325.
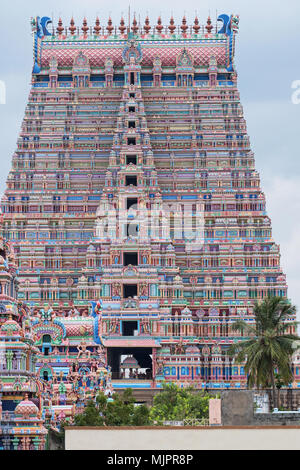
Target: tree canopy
x=120 y=411
x=177 y=404
x=171 y=404
x=270 y=344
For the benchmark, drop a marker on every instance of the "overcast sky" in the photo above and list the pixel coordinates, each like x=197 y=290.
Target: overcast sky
x=267 y=60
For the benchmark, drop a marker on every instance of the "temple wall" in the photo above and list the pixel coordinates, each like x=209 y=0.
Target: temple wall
x=183 y=438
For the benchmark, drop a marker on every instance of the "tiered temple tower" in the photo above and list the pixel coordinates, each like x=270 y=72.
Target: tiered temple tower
x=134 y=208
x=21 y=426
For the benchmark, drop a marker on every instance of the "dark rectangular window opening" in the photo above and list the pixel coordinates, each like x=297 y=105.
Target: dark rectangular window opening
x=131 y=124
x=131 y=78
x=131 y=159
x=131 y=180
x=129 y=327
x=129 y=290
x=131 y=202
x=130 y=258
x=131 y=141
x=131 y=95
x=131 y=109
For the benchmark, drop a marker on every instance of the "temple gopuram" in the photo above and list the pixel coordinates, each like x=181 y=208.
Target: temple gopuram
x=135 y=218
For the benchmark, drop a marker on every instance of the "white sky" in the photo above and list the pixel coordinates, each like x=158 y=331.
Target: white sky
x=267 y=60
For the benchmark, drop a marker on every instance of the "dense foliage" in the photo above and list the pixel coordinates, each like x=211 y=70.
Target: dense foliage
x=171 y=404
x=120 y=411
x=178 y=404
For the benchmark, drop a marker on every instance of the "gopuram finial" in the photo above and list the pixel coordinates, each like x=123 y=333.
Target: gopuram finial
x=172 y=26
x=184 y=26
x=97 y=27
x=72 y=27
x=209 y=26
x=109 y=27
x=85 y=27
x=196 y=26
x=122 y=27
x=159 y=26
x=134 y=27
x=147 y=26
x=60 y=28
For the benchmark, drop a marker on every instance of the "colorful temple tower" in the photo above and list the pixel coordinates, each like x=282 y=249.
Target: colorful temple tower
x=21 y=426
x=135 y=210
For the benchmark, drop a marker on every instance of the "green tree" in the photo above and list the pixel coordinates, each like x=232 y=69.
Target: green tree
x=176 y=404
x=269 y=346
x=90 y=416
x=120 y=411
x=199 y=405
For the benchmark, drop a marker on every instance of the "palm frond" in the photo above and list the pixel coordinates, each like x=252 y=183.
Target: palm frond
x=269 y=344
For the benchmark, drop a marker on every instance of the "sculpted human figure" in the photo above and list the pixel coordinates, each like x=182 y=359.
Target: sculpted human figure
x=101 y=353
x=179 y=349
x=83 y=351
x=94 y=365
x=23 y=312
x=145 y=326
x=73 y=312
x=144 y=290
x=113 y=326
x=116 y=289
x=160 y=366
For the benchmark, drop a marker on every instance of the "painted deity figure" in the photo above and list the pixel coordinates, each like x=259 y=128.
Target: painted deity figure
x=144 y=290
x=101 y=354
x=23 y=312
x=160 y=362
x=116 y=289
x=145 y=258
x=114 y=326
x=47 y=314
x=73 y=312
x=179 y=348
x=83 y=352
x=129 y=303
x=94 y=365
x=98 y=308
x=116 y=257
x=145 y=326
x=14 y=362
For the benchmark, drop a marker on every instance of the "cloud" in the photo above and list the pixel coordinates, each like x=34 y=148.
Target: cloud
x=283 y=204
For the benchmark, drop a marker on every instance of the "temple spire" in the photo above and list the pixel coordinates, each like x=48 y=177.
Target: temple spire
x=172 y=26
x=72 y=27
x=209 y=25
x=97 y=27
x=85 y=27
x=122 y=27
x=109 y=27
x=60 y=28
x=196 y=26
x=184 y=26
x=134 y=27
x=159 y=26
x=147 y=26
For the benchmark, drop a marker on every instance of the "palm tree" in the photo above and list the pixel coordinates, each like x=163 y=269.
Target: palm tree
x=269 y=345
